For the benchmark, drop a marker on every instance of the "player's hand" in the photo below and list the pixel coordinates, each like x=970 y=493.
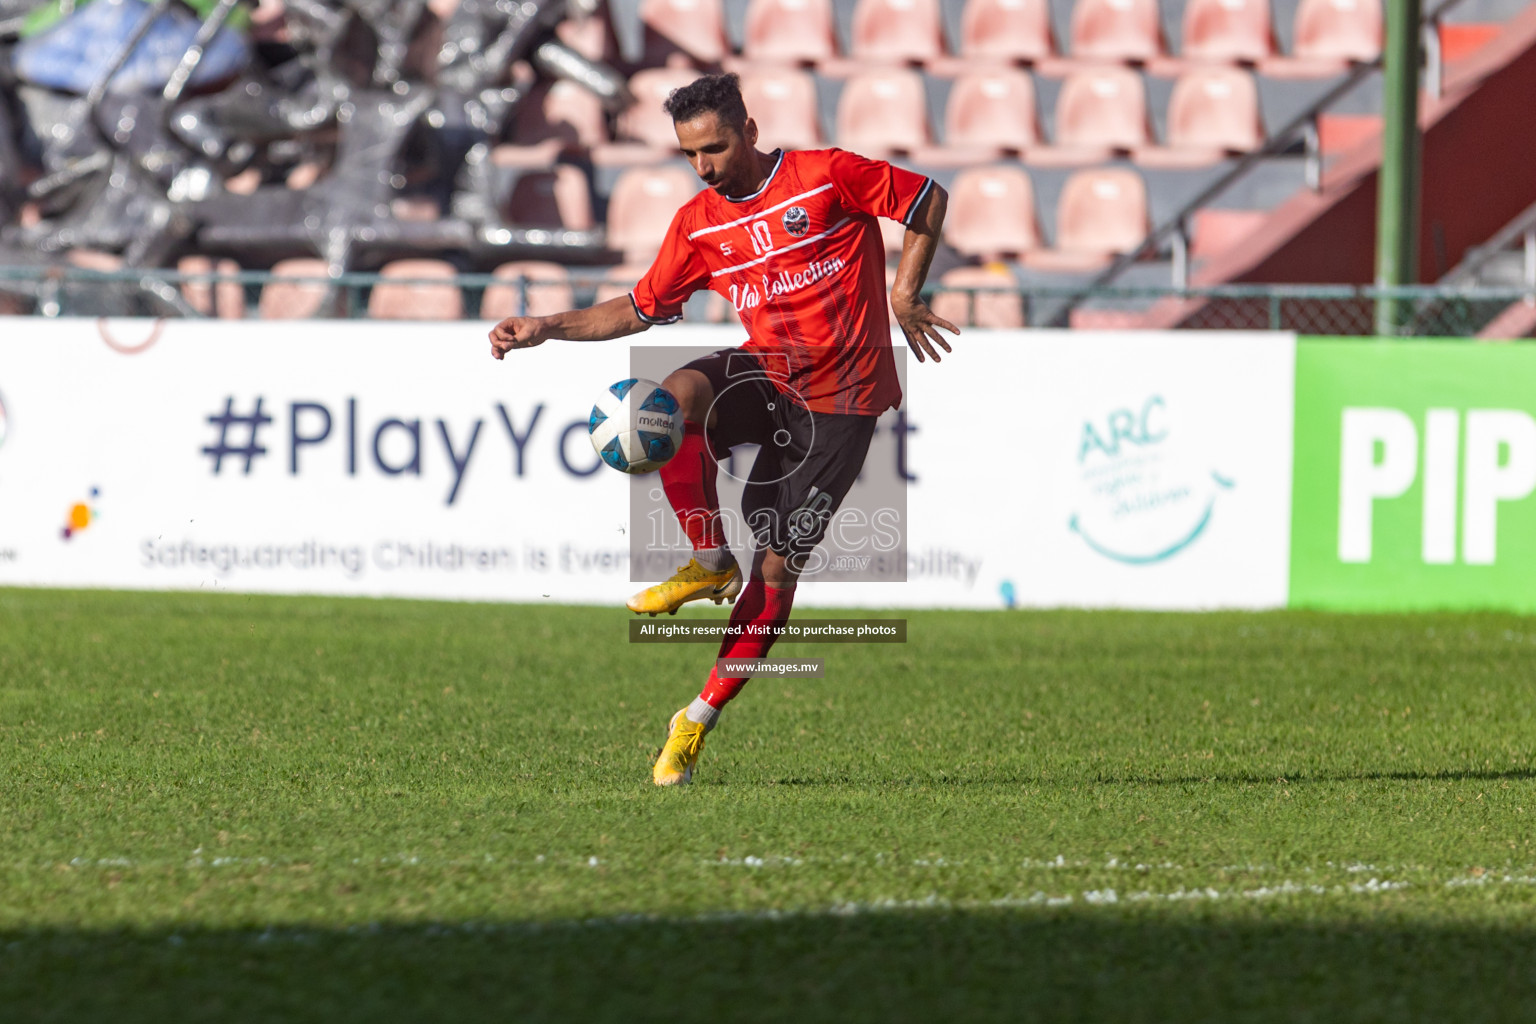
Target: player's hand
x=921 y=327
x=515 y=332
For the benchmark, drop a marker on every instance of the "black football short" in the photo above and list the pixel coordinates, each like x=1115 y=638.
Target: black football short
x=806 y=461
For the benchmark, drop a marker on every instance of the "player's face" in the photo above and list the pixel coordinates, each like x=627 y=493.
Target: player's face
x=723 y=155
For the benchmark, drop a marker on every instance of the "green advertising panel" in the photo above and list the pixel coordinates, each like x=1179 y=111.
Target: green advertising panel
x=1415 y=475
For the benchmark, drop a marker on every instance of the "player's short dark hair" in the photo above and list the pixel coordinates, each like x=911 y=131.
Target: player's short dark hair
x=713 y=94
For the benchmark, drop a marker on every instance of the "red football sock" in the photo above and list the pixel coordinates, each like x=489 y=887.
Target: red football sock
x=758 y=604
x=689 y=480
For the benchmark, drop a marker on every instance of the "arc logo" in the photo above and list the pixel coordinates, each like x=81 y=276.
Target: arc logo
x=1146 y=492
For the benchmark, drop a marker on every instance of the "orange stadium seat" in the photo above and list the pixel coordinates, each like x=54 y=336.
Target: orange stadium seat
x=991 y=109
x=1329 y=34
x=1101 y=110
x=883 y=111
x=992 y=213
x=897 y=30
x=620 y=280
x=1120 y=30
x=641 y=207
x=1227 y=30
x=696 y=27
x=982 y=307
x=557 y=198
x=789 y=31
x=547 y=286
x=1212 y=113
x=294 y=291
x=223 y=299
x=782 y=101
x=420 y=290
x=644 y=132
x=1102 y=212
x=1338 y=29
x=575 y=113
x=1015 y=30
x=591 y=36
x=646 y=122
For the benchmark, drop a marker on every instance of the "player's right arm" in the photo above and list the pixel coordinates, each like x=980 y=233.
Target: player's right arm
x=605 y=321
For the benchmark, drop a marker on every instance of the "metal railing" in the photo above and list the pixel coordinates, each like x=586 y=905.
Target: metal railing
x=1459 y=310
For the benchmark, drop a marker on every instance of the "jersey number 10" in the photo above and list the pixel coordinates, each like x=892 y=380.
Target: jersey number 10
x=762 y=237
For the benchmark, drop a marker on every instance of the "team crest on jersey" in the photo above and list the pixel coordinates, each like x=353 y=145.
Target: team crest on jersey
x=796 y=221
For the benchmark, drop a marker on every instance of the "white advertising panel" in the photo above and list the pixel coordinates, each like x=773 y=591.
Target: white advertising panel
x=388 y=458
x=1092 y=469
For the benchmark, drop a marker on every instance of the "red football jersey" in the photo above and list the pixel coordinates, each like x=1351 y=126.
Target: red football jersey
x=802 y=261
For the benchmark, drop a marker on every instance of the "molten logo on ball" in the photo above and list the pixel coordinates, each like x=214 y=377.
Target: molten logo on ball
x=636 y=426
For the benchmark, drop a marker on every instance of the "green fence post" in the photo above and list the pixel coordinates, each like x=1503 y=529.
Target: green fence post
x=1397 y=186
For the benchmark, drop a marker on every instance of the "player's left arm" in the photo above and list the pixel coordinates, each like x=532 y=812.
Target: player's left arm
x=917 y=321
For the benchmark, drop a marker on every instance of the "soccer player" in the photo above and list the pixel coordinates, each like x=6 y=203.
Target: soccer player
x=791 y=239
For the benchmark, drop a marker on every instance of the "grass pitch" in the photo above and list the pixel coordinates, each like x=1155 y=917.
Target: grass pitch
x=246 y=808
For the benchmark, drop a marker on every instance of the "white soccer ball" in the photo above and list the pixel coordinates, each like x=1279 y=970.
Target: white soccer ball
x=636 y=426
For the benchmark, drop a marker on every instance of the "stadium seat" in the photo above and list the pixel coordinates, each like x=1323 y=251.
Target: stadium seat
x=694 y=27
x=718 y=309
x=222 y=299
x=1213 y=112
x=590 y=36
x=1328 y=36
x=897 y=30
x=1100 y=111
x=417 y=290
x=416 y=208
x=1227 y=30
x=533 y=157
x=576 y=114
x=783 y=103
x=1011 y=30
x=1102 y=212
x=1116 y=30
x=646 y=122
x=641 y=207
x=546 y=285
x=557 y=198
x=644 y=132
x=620 y=280
x=989 y=113
x=303 y=176
x=789 y=31
x=982 y=307
x=1338 y=29
x=295 y=290
x=992 y=213
x=883 y=111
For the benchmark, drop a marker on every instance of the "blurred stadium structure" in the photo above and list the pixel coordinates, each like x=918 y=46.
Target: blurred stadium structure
x=1111 y=163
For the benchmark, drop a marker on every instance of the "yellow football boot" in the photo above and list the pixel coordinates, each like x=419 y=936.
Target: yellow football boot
x=691 y=582
x=685 y=741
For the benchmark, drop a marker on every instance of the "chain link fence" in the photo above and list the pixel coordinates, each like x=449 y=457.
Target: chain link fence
x=1347 y=310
